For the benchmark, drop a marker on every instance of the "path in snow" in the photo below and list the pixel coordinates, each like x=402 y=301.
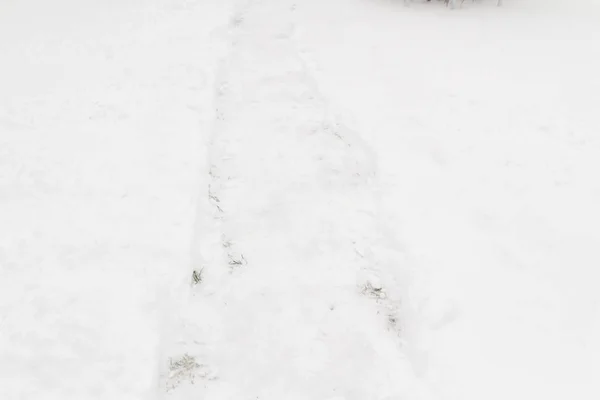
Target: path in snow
x=289 y=240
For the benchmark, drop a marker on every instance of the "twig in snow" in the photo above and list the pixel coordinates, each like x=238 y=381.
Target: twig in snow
x=197 y=276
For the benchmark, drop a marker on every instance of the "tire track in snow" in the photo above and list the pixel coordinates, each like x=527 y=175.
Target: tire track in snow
x=289 y=247
x=388 y=267
x=183 y=340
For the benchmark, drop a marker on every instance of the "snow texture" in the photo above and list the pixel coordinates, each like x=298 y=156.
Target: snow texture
x=300 y=200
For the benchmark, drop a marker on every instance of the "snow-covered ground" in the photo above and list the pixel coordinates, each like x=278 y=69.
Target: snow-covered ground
x=278 y=199
x=102 y=108
x=485 y=126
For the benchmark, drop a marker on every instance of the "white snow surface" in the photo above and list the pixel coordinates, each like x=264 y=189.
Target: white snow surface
x=378 y=200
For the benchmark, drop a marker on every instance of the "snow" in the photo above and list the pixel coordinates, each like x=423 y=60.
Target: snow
x=100 y=114
x=484 y=126
x=356 y=199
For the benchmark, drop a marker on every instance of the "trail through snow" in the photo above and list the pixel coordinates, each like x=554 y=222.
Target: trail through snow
x=289 y=239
